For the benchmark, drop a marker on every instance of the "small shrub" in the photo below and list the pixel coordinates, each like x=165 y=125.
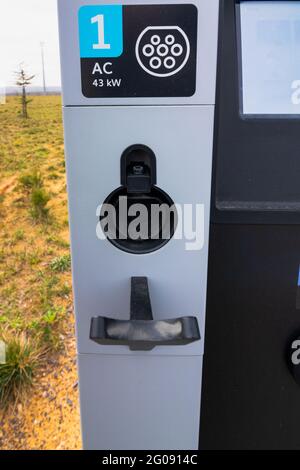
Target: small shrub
x=39 y=201
x=31 y=180
x=61 y=264
x=16 y=374
x=19 y=235
x=34 y=258
x=64 y=291
x=53 y=176
x=42 y=150
x=39 y=198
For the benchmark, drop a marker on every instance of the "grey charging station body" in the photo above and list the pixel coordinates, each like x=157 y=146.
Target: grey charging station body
x=138 y=392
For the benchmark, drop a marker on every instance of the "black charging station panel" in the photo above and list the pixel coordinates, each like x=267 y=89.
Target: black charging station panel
x=250 y=399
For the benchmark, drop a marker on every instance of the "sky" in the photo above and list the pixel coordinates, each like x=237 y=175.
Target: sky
x=24 y=24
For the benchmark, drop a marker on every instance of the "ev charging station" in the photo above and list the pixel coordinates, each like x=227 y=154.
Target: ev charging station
x=176 y=104
x=139 y=83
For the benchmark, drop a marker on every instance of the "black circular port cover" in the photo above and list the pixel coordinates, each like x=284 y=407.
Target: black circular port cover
x=159 y=230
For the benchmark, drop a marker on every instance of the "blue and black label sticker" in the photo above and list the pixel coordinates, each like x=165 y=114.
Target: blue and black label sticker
x=138 y=50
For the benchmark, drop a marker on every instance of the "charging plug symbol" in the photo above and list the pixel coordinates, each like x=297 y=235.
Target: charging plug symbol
x=162 y=51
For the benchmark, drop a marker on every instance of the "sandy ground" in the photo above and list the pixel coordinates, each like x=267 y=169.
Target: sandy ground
x=49 y=418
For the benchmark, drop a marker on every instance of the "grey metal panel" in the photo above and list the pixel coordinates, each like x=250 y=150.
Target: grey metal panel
x=140 y=403
x=208 y=11
x=182 y=139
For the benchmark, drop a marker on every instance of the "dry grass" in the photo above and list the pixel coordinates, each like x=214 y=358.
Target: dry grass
x=33 y=230
x=35 y=278
x=22 y=359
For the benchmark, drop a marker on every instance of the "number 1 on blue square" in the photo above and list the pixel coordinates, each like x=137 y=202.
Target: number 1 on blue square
x=101 y=31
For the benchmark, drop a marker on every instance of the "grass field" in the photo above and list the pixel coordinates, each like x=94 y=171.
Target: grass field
x=40 y=410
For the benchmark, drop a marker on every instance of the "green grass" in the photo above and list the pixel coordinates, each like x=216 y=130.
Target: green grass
x=47 y=328
x=61 y=264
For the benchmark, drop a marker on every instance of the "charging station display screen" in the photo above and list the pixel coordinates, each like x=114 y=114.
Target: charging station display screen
x=270 y=57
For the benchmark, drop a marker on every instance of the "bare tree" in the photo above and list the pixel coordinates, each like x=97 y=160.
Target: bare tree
x=23 y=80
